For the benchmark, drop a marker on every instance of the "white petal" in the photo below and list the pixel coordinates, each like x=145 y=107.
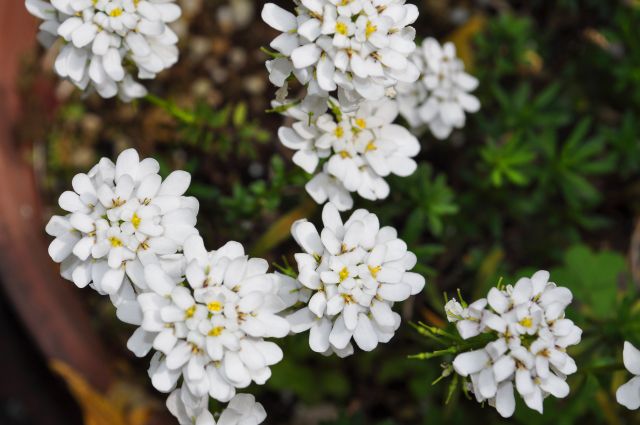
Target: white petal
x=470 y=362
x=364 y=335
x=319 y=335
x=631 y=358
x=306 y=234
x=112 y=64
x=140 y=342
x=278 y=18
x=176 y=184
x=505 y=400
x=628 y=394
x=305 y=56
x=555 y=386
x=487 y=383
x=112 y=280
x=340 y=335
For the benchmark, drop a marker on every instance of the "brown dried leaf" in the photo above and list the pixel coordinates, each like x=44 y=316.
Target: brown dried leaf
x=463 y=39
x=97 y=408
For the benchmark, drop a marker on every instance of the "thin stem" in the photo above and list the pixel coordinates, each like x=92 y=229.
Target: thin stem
x=438 y=353
x=171 y=108
x=438 y=331
x=426 y=332
x=271 y=53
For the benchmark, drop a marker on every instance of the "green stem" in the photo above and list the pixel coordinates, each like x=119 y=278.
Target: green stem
x=171 y=108
x=431 y=355
x=438 y=331
x=282 y=108
x=475 y=343
x=271 y=53
x=425 y=332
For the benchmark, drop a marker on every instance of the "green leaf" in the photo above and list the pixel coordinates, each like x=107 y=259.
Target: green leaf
x=592 y=277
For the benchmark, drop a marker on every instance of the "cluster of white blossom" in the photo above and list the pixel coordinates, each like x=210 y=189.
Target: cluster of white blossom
x=629 y=394
x=206 y=315
x=190 y=410
x=120 y=217
x=442 y=96
x=361 y=148
x=351 y=274
x=103 y=40
x=208 y=325
x=530 y=346
x=358 y=47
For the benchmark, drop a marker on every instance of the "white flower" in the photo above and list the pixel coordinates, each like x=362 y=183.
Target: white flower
x=530 y=346
x=243 y=410
x=358 y=47
x=356 y=272
x=209 y=325
x=629 y=394
x=455 y=311
x=103 y=36
x=359 y=148
x=189 y=409
x=324 y=187
x=120 y=217
x=441 y=97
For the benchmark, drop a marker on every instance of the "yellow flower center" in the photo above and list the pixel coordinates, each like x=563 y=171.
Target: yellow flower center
x=216 y=331
x=115 y=242
x=339 y=132
x=344 y=273
x=341 y=28
x=371 y=146
x=527 y=322
x=214 y=306
x=347 y=298
x=345 y=154
x=135 y=220
x=190 y=312
x=370 y=29
x=374 y=270
x=115 y=12
x=360 y=122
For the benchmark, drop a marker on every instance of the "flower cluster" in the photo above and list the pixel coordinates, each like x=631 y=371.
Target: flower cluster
x=629 y=394
x=242 y=410
x=442 y=96
x=208 y=325
x=361 y=148
x=531 y=336
x=132 y=236
x=102 y=38
x=358 y=47
x=351 y=273
x=120 y=217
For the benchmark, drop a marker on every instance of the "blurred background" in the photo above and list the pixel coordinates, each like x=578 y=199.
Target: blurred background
x=546 y=175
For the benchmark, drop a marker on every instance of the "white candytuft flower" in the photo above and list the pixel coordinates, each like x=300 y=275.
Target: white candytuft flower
x=356 y=271
x=120 y=217
x=629 y=394
x=442 y=96
x=530 y=346
x=359 y=148
x=189 y=409
x=209 y=326
x=104 y=38
x=357 y=47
